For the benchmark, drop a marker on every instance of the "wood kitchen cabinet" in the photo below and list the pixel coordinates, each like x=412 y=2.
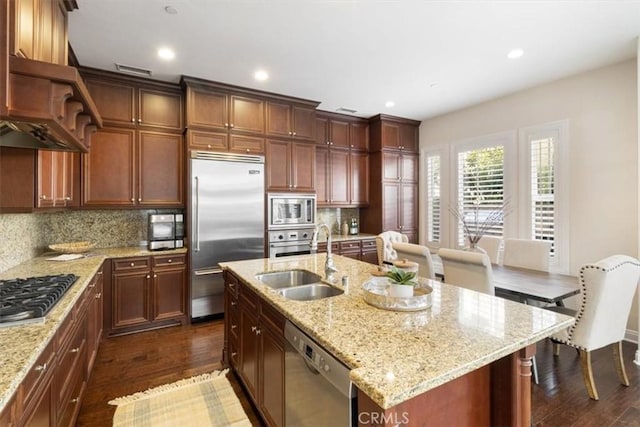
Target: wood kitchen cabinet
x=221 y=142
x=393 y=180
x=341 y=131
x=134 y=168
x=261 y=349
x=39 y=30
x=360 y=249
x=147 y=293
x=95 y=310
x=290 y=166
x=57 y=179
x=290 y=120
x=129 y=102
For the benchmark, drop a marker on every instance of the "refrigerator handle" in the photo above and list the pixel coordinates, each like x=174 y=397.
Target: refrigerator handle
x=197 y=217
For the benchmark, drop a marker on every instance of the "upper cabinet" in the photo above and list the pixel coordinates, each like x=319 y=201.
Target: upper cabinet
x=127 y=104
x=290 y=120
x=394 y=133
x=340 y=131
x=40 y=30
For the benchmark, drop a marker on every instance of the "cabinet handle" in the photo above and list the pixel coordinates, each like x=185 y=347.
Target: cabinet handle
x=234 y=326
x=234 y=353
x=74 y=350
x=43 y=197
x=139 y=120
x=67 y=198
x=92 y=285
x=41 y=368
x=257 y=331
x=233 y=303
x=253 y=328
x=98 y=295
x=99 y=273
x=74 y=400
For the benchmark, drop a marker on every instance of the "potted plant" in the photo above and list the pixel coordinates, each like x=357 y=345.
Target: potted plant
x=401 y=282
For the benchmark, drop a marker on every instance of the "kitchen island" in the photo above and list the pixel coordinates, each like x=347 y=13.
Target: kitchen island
x=465 y=360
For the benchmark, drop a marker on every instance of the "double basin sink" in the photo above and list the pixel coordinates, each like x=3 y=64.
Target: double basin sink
x=300 y=285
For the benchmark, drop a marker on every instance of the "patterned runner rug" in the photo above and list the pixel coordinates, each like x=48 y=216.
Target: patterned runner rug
x=204 y=400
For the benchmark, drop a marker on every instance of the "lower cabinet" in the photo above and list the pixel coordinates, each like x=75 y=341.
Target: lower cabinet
x=147 y=293
x=256 y=352
x=360 y=249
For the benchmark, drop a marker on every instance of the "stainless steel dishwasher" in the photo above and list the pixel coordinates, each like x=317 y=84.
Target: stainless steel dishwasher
x=318 y=391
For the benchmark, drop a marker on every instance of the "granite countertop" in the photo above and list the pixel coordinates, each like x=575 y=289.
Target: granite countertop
x=342 y=238
x=21 y=345
x=395 y=356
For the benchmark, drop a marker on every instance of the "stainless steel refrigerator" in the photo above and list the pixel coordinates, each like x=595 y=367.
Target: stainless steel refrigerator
x=227 y=222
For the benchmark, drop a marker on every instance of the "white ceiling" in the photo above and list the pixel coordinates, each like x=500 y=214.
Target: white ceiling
x=429 y=57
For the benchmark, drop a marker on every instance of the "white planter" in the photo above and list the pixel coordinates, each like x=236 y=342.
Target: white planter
x=402 y=291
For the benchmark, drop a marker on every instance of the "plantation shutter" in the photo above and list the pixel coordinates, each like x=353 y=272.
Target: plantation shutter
x=480 y=188
x=542 y=189
x=433 y=198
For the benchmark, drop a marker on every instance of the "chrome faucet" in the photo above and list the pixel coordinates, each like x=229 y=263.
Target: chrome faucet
x=329 y=267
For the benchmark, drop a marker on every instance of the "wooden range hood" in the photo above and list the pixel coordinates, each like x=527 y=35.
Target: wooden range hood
x=50 y=103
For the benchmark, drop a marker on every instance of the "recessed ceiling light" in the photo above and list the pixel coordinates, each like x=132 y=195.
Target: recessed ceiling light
x=433 y=85
x=515 y=53
x=389 y=104
x=261 y=75
x=171 y=10
x=166 y=53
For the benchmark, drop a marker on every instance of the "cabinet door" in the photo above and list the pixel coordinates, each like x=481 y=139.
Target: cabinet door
x=409 y=138
x=130 y=299
x=24 y=36
x=247 y=115
x=340 y=182
x=160 y=109
x=272 y=373
x=278 y=165
x=390 y=206
x=359 y=170
x=109 y=172
x=359 y=136
x=409 y=167
x=369 y=252
x=115 y=101
x=46 y=179
x=303 y=166
x=160 y=167
x=68 y=181
x=248 y=369
x=323 y=176
x=339 y=134
x=278 y=119
x=207 y=109
x=59 y=50
x=391 y=166
x=390 y=135
x=322 y=131
x=245 y=144
x=42 y=413
x=209 y=141
x=304 y=120
x=408 y=206
x=169 y=293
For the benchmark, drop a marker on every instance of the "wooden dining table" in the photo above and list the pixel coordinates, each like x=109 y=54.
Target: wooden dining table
x=526 y=285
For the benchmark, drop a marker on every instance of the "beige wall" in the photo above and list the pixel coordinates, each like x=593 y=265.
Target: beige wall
x=601 y=107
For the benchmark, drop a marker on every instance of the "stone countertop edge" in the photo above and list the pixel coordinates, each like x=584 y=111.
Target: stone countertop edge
x=335 y=238
x=27 y=342
x=394 y=356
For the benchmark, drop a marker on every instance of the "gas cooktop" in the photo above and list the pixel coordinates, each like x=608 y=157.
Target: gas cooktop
x=24 y=301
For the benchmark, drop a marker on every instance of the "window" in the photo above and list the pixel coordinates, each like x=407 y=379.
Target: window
x=480 y=189
x=542 y=189
x=433 y=198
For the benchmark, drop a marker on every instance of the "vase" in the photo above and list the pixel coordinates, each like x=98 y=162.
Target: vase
x=473 y=247
x=400 y=291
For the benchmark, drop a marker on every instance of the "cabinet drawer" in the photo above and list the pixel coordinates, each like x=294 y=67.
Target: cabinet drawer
x=234 y=322
x=38 y=371
x=72 y=358
x=350 y=245
x=368 y=245
x=125 y=264
x=169 y=260
x=232 y=284
x=69 y=407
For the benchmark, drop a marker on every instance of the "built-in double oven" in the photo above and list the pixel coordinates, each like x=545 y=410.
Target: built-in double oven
x=291 y=219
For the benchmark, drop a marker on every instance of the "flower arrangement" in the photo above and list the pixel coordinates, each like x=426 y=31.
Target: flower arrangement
x=476 y=219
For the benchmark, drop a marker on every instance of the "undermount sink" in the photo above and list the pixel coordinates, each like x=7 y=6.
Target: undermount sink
x=310 y=292
x=288 y=278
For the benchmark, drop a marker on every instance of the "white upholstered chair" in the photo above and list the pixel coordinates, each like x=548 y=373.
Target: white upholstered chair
x=384 y=245
x=471 y=270
x=419 y=254
x=491 y=245
x=608 y=287
x=525 y=253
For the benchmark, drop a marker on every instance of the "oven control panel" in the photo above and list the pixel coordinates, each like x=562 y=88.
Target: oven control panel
x=293 y=235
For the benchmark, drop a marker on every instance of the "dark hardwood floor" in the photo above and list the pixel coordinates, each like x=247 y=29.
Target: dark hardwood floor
x=136 y=362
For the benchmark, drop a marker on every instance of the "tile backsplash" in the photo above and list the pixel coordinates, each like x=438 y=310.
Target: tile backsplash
x=334 y=217
x=23 y=236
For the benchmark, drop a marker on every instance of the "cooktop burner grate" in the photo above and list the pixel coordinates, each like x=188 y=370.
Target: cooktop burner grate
x=31 y=298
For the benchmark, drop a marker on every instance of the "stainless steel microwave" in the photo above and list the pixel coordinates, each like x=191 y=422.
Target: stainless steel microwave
x=291 y=210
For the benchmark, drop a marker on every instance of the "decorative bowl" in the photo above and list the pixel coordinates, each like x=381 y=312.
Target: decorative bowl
x=376 y=293
x=72 y=247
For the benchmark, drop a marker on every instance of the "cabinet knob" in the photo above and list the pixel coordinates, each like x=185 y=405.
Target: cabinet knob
x=139 y=199
x=248 y=150
x=294 y=134
x=133 y=200
x=352 y=145
x=257 y=331
x=133 y=264
x=67 y=198
x=169 y=260
x=226 y=125
x=231 y=125
x=43 y=197
x=133 y=119
x=233 y=303
x=234 y=326
x=155 y=276
x=139 y=120
x=148 y=276
x=290 y=133
x=74 y=400
x=41 y=368
x=253 y=328
x=328 y=142
x=74 y=350
x=208 y=145
x=234 y=353
x=98 y=295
